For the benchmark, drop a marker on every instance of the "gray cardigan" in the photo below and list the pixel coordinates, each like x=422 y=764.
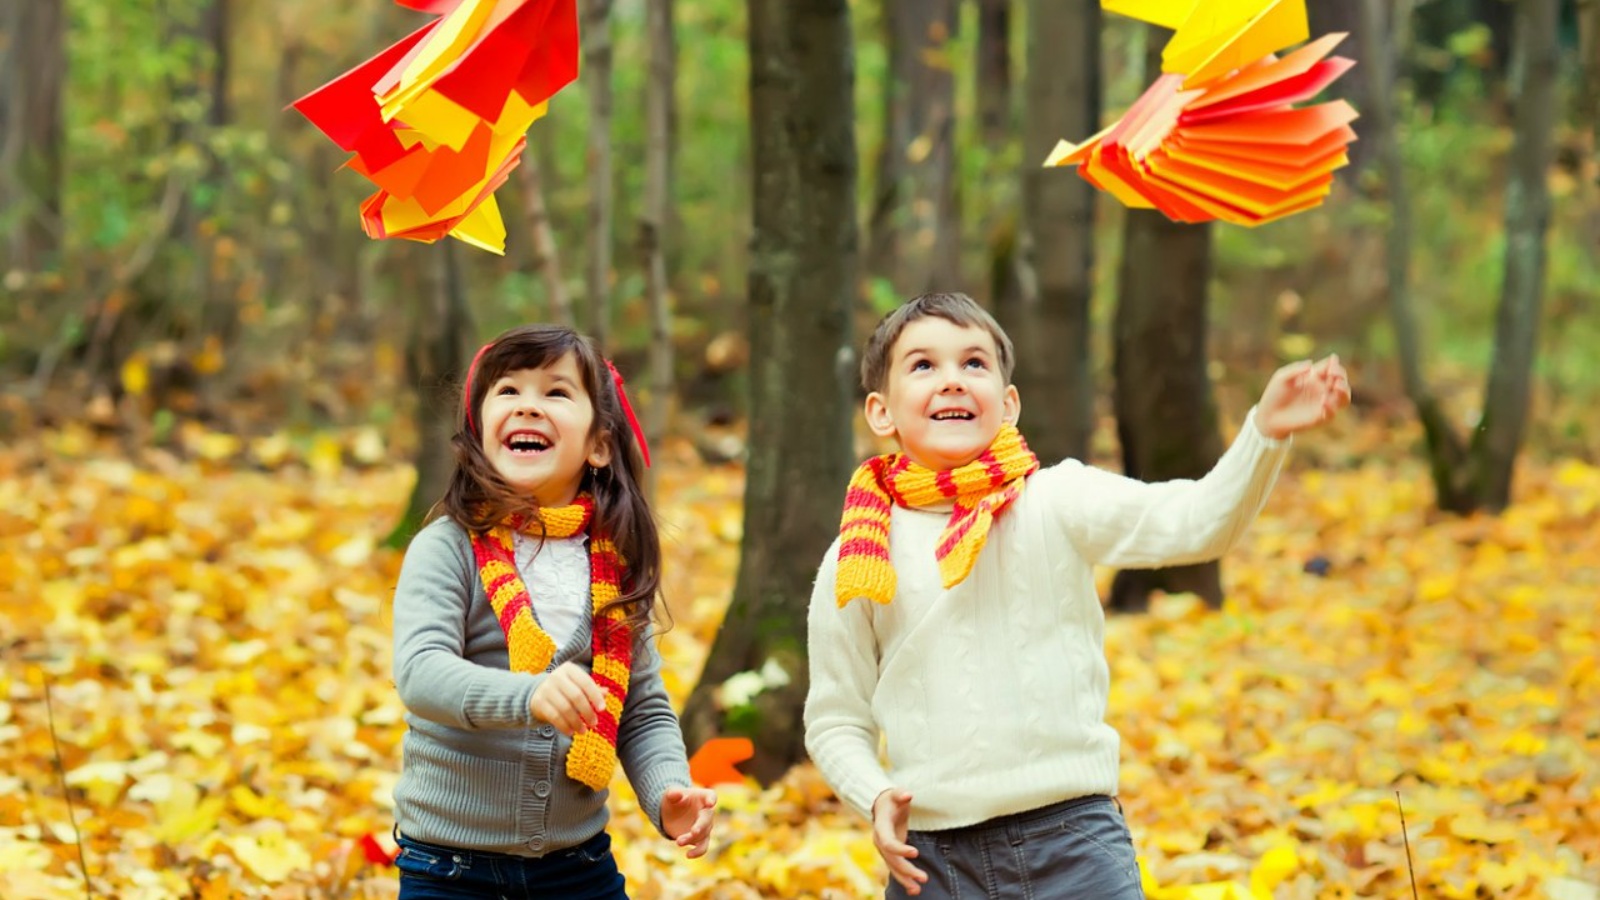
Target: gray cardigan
x=479 y=772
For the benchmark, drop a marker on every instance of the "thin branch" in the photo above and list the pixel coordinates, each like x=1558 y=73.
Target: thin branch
x=66 y=793
x=1407 y=838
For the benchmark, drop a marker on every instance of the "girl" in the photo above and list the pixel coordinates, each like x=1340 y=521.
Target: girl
x=519 y=640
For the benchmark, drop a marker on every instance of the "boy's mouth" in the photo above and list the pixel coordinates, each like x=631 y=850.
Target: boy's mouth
x=527 y=442
x=952 y=415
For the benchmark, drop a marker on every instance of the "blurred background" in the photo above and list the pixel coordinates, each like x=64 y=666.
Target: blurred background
x=224 y=410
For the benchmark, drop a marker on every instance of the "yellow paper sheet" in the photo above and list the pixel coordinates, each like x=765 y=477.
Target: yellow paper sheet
x=1166 y=13
x=1220 y=36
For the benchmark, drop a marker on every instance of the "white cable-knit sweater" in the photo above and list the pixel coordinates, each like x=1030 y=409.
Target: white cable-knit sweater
x=992 y=694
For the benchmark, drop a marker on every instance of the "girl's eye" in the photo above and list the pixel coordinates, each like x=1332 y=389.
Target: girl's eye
x=559 y=392
x=506 y=389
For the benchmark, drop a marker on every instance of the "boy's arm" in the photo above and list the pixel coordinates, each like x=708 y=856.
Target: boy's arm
x=1118 y=521
x=649 y=739
x=841 y=735
x=431 y=603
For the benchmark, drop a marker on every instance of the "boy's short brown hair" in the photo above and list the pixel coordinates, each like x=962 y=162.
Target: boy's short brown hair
x=952 y=307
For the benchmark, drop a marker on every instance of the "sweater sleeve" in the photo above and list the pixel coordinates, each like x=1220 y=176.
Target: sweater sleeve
x=649 y=738
x=841 y=735
x=1118 y=521
x=432 y=602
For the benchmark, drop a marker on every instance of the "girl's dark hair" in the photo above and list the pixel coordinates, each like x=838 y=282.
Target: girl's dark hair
x=478 y=499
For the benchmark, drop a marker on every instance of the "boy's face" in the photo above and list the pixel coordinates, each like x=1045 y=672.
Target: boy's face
x=945 y=399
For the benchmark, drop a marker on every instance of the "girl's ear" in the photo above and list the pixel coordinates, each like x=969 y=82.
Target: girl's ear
x=600 y=452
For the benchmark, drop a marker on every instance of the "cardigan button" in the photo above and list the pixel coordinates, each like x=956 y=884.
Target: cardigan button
x=536 y=844
x=542 y=789
x=547 y=731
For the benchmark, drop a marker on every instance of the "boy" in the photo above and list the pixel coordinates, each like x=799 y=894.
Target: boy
x=957 y=616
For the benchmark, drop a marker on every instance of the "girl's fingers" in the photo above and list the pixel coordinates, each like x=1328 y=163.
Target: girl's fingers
x=592 y=693
x=578 y=701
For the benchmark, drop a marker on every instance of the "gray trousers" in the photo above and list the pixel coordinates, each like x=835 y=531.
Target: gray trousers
x=1078 y=849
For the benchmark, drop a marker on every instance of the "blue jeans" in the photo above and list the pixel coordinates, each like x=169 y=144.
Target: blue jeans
x=1078 y=849
x=585 y=872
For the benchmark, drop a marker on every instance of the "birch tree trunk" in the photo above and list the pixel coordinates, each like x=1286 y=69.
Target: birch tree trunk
x=546 y=260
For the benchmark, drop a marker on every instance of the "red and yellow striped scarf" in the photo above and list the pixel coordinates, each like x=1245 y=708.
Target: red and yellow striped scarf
x=594 y=753
x=980 y=490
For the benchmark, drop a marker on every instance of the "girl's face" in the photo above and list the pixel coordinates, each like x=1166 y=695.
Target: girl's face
x=537 y=426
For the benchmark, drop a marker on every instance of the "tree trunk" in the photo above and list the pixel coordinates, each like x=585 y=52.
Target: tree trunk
x=994 y=71
x=437 y=354
x=997 y=209
x=546 y=261
x=1049 y=320
x=1589 y=72
x=215 y=25
x=1329 y=16
x=652 y=224
x=1589 y=105
x=33 y=72
x=596 y=78
x=1166 y=414
x=914 y=234
x=1446 y=454
x=802 y=285
x=1535 y=63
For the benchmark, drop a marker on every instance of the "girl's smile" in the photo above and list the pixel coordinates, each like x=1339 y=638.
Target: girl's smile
x=538 y=430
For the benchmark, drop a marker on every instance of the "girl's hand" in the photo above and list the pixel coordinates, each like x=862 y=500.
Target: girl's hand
x=569 y=699
x=686 y=815
x=890 y=812
x=1302 y=395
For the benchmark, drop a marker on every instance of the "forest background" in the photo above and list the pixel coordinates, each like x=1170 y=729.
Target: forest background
x=223 y=409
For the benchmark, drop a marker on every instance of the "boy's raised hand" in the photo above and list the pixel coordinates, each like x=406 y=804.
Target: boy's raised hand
x=890 y=813
x=1302 y=395
x=569 y=699
x=686 y=815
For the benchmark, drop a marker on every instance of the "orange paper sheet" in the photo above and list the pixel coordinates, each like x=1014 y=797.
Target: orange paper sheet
x=437 y=121
x=1218 y=135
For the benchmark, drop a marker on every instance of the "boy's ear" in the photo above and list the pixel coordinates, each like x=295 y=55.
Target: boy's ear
x=1011 y=405
x=600 y=453
x=877 y=412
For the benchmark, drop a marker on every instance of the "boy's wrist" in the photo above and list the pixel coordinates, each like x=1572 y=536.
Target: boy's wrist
x=1264 y=427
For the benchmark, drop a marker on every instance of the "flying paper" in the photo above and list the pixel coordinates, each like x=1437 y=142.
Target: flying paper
x=438 y=120
x=1218 y=135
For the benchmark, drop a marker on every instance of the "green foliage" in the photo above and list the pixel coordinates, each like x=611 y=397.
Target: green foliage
x=267 y=252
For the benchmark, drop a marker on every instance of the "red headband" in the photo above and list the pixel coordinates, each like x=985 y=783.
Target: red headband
x=616 y=378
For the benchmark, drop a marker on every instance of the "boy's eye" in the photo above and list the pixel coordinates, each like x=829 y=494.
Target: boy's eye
x=978 y=362
x=921 y=364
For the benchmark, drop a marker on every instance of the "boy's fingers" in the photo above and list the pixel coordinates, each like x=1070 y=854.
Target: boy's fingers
x=908 y=875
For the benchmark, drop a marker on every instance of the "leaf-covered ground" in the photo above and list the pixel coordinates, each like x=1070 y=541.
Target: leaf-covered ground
x=208 y=630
